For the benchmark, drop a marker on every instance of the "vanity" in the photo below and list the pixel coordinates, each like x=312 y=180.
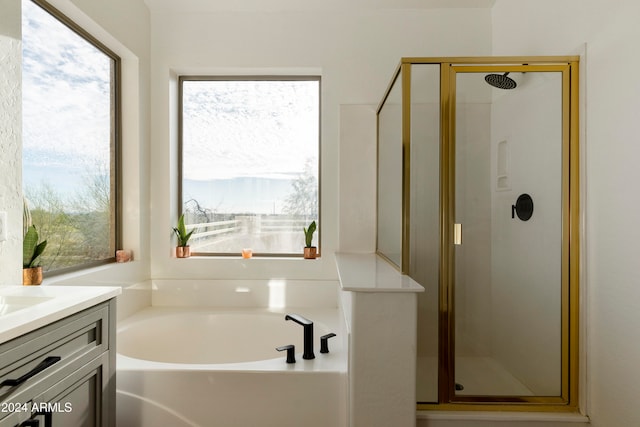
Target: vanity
x=57 y=356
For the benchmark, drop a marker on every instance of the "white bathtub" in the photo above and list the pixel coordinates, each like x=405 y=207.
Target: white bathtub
x=213 y=367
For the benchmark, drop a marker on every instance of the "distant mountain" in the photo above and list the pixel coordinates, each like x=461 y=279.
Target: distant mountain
x=239 y=195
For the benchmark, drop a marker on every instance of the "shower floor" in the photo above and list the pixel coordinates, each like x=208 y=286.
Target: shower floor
x=478 y=375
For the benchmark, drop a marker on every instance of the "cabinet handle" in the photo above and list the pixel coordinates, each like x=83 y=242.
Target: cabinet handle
x=48 y=418
x=51 y=360
x=33 y=422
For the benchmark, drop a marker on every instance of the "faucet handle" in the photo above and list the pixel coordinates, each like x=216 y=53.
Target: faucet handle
x=291 y=352
x=324 y=342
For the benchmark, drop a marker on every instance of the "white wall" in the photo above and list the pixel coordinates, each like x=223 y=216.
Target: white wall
x=11 y=140
x=611 y=204
x=358 y=194
x=354 y=50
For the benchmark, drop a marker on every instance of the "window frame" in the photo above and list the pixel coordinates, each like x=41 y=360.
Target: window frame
x=250 y=77
x=115 y=161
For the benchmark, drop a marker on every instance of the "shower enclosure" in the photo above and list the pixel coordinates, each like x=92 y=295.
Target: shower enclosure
x=478 y=202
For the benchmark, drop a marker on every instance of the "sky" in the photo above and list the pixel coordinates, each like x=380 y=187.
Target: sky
x=66 y=103
x=235 y=133
x=244 y=142
x=239 y=129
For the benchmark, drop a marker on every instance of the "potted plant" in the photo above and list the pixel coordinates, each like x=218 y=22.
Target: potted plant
x=182 y=250
x=310 y=252
x=31 y=251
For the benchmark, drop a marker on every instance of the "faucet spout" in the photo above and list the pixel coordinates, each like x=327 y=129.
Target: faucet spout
x=307 y=326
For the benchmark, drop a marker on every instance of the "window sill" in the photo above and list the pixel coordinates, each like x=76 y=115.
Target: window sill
x=255 y=256
x=112 y=274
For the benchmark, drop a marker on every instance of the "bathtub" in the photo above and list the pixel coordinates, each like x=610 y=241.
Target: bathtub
x=181 y=366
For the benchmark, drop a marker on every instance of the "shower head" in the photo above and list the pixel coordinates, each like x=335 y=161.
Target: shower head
x=501 y=81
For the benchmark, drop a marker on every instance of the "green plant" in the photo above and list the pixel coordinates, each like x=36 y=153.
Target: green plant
x=308 y=233
x=31 y=249
x=181 y=232
x=26 y=216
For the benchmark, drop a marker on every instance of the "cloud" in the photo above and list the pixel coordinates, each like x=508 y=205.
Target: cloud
x=249 y=128
x=232 y=129
x=66 y=94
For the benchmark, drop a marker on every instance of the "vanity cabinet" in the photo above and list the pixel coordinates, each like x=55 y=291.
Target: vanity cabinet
x=63 y=374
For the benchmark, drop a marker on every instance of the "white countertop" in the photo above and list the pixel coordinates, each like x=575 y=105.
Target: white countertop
x=371 y=273
x=26 y=308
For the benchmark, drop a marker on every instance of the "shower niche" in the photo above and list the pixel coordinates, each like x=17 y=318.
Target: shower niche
x=459 y=140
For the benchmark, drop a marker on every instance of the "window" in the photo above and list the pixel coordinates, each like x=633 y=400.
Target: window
x=70 y=138
x=249 y=162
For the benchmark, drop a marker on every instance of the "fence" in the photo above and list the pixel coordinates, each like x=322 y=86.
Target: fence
x=243 y=226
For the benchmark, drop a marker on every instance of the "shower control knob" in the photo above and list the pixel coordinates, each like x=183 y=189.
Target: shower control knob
x=523 y=208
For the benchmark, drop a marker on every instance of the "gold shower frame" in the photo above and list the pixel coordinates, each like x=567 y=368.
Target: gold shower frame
x=449 y=67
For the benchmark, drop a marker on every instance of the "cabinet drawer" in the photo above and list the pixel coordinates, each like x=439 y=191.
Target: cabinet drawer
x=72 y=402
x=81 y=336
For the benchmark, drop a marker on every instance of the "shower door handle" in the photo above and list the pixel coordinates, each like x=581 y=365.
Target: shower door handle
x=457 y=234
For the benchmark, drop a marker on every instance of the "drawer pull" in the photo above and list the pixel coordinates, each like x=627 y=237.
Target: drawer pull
x=33 y=422
x=51 y=360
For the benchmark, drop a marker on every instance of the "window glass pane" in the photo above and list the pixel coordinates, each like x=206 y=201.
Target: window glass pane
x=250 y=163
x=68 y=140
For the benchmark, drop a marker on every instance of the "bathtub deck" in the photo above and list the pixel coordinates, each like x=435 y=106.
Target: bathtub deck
x=328 y=319
x=268 y=392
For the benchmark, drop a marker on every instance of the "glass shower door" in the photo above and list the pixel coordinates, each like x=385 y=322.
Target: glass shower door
x=424 y=245
x=508 y=270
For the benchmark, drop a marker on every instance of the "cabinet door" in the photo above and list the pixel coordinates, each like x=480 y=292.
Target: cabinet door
x=84 y=335
x=16 y=418
x=79 y=399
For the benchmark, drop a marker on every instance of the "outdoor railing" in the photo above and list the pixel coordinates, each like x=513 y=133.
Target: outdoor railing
x=249 y=224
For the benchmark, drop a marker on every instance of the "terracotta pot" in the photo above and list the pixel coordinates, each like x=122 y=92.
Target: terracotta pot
x=32 y=276
x=310 y=252
x=183 y=251
x=123 y=256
